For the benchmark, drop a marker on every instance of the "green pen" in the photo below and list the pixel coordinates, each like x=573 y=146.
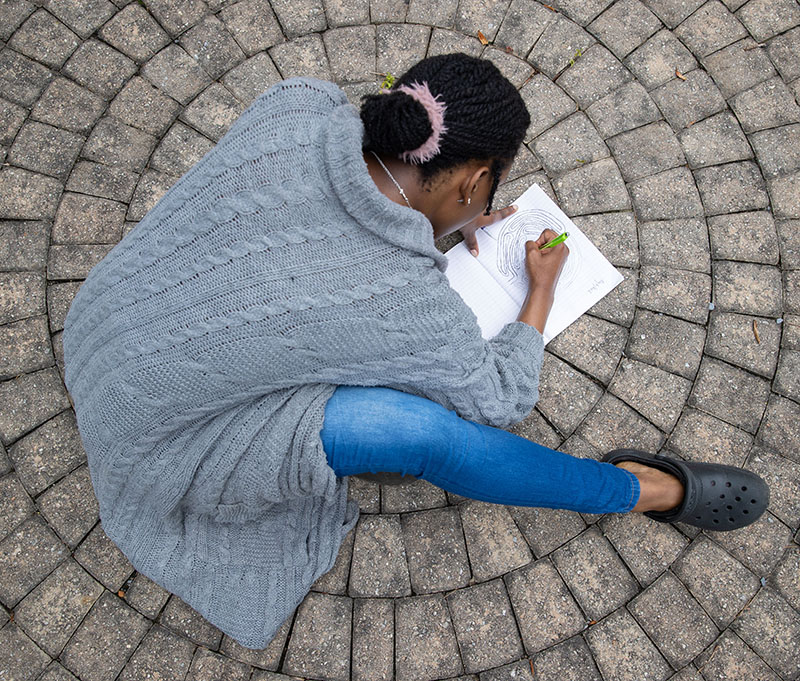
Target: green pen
x=556 y=241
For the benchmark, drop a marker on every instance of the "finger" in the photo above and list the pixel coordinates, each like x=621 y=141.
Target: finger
x=472 y=243
x=503 y=213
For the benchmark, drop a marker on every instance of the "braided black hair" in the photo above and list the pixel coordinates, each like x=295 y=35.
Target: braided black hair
x=485 y=118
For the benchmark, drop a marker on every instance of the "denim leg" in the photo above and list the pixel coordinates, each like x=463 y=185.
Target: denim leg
x=369 y=430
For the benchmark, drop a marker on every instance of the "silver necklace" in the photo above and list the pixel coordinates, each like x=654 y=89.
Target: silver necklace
x=391 y=177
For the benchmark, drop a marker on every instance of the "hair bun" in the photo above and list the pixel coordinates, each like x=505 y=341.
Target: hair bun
x=394 y=122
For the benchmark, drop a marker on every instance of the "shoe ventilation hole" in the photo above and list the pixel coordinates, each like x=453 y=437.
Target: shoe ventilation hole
x=727 y=484
x=744 y=489
x=731 y=520
x=715 y=510
x=753 y=501
x=729 y=507
x=716 y=522
x=708 y=503
x=745 y=511
x=713 y=483
x=738 y=498
x=721 y=496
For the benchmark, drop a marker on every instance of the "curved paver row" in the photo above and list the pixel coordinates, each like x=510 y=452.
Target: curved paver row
x=668 y=129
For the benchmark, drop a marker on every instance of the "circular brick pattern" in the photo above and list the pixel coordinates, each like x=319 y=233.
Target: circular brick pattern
x=668 y=129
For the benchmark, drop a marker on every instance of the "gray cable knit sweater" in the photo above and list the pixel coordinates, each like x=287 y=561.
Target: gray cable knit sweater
x=201 y=351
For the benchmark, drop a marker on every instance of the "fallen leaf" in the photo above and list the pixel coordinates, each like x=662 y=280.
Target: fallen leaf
x=482 y=38
x=551 y=8
x=533 y=673
x=680 y=75
x=755 y=331
x=121 y=593
x=510 y=50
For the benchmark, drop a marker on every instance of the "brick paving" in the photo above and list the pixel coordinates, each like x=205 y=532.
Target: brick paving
x=669 y=129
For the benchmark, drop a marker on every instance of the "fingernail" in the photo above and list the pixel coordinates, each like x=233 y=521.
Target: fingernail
x=474 y=252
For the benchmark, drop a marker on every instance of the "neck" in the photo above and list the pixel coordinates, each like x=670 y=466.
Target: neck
x=405 y=175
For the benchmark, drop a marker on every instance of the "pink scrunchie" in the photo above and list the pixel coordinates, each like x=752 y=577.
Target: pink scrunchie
x=435 y=110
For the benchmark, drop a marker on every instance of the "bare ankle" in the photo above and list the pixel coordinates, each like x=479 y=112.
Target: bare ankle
x=659 y=491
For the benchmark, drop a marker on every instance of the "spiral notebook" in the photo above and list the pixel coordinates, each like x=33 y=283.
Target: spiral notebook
x=494 y=285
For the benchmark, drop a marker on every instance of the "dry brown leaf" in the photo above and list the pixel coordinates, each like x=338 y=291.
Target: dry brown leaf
x=551 y=8
x=680 y=75
x=121 y=593
x=482 y=38
x=755 y=331
x=533 y=673
x=510 y=50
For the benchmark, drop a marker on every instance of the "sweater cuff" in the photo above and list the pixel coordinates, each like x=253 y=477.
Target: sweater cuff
x=523 y=336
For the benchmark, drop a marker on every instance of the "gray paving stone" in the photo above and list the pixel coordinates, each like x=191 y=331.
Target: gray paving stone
x=45 y=149
x=112 y=142
x=70 y=506
x=100 y=68
x=515 y=69
x=48 y=453
x=784 y=193
x=747 y=288
x=135 y=33
x=152 y=186
x=12 y=117
x=779 y=427
x=545 y=611
x=569 y=145
x=783 y=52
x=141 y=105
x=44 y=38
x=416 y=495
x=54 y=609
x=31 y=400
x=709 y=29
x=23 y=246
x=252 y=24
x=208 y=666
x=248 y=80
x=658 y=395
x=619 y=305
x=486 y=631
x=445 y=42
x=524 y=163
x=28 y=343
x=614 y=425
x=791 y=332
x=17 y=504
x=437 y=555
x=22 y=80
x=69 y=106
x=535 y=428
x=624 y=109
x=730 y=394
x=373 y=640
x=351 y=52
x=666 y=195
x=509 y=192
x=161 y=654
x=701 y=437
x=20 y=658
x=303 y=56
x=211 y=45
x=74 y=262
x=146 y=596
x=570 y=660
x=581 y=11
x=684 y=102
x=184 y=620
x=717 y=139
x=213 y=111
x=655 y=62
x=760 y=545
x=783 y=477
x=174 y=72
x=592 y=188
x=666 y=342
x=738 y=67
x=523 y=25
x=494 y=544
x=268 y=658
x=389 y=576
x=733 y=659
x=614 y=234
x=674 y=620
x=27 y=556
x=366 y=494
x=732 y=187
x=787 y=381
x=12 y=14
x=27 y=196
x=560 y=46
x=546 y=529
x=441 y=14
x=399 y=47
x=732 y=337
x=595 y=74
x=646 y=151
x=777 y=150
x=177 y=15
x=103 y=560
x=595 y=574
x=567 y=395
x=299 y=18
x=784 y=578
x=55 y=672
x=87 y=219
x=648 y=548
x=335 y=580
x=425 y=642
x=546 y=102
x=592 y=345
x=769 y=612
x=765 y=19
x=383 y=11
x=682 y=244
x=82 y=16
x=624 y=26
x=356 y=91
x=320 y=641
x=473 y=15
x=105 y=640
x=622 y=650
x=96 y=179
x=673 y=12
x=767 y=105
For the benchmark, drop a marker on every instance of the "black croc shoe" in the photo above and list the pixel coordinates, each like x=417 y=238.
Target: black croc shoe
x=716 y=497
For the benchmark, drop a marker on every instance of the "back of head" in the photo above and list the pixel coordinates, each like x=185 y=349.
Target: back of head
x=474 y=113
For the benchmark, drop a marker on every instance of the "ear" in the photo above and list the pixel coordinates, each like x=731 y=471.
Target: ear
x=471 y=179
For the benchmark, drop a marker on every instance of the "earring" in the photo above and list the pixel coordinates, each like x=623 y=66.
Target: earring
x=469 y=200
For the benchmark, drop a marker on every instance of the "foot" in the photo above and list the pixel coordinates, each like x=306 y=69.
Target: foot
x=659 y=491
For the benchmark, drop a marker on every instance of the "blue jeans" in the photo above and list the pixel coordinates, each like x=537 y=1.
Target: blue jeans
x=371 y=430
